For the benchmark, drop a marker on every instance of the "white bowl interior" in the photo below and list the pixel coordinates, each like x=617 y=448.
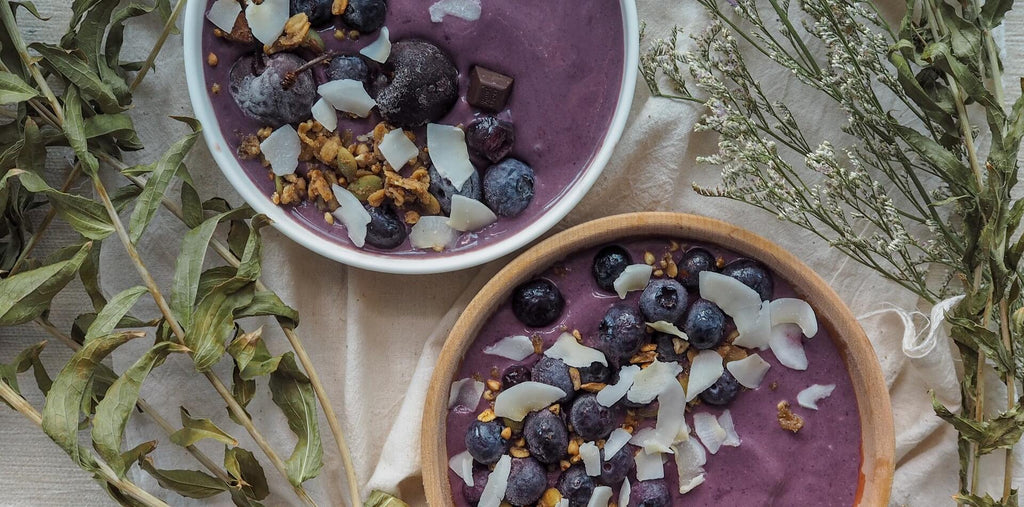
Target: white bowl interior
x=382 y=262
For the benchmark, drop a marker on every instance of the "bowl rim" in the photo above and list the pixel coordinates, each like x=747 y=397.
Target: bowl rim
x=874 y=406
x=202 y=107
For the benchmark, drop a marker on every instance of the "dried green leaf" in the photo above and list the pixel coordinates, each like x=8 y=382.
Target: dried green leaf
x=86 y=216
x=242 y=391
x=75 y=69
x=163 y=171
x=246 y=469
x=267 y=303
x=196 y=429
x=291 y=391
x=379 y=498
x=111 y=314
x=191 y=206
x=28 y=358
x=214 y=321
x=89 y=273
x=993 y=11
x=13 y=89
x=999 y=432
x=189 y=483
x=113 y=412
x=117 y=125
x=27 y=295
x=32 y=156
x=30 y=7
x=115 y=35
x=251 y=355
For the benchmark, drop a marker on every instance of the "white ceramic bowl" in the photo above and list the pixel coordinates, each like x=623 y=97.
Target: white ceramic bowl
x=382 y=261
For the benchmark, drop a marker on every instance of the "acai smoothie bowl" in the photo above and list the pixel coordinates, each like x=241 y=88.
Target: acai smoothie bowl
x=412 y=136
x=657 y=359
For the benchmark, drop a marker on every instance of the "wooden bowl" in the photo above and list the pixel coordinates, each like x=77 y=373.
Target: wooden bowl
x=877 y=433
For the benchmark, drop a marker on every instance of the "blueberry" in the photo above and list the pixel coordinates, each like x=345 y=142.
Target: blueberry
x=537 y=303
x=609 y=263
x=348 y=67
x=515 y=374
x=693 y=262
x=667 y=347
x=621 y=332
x=705 y=324
x=256 y=85
x=546 y=436
x=484 y=442
x=365 y=15
x=753 y=274
x=423 y=84
x=385 y=230
x=490 y=137
x=554 y=372
x=318 y=11
x=473 y=493
x=508 y=187
x=596 y=372
x=663 y=299
x=576 y=486
x=443 y=190
x=615 y=468
x=526 y=482
x=652 y=493
x=722 y=391
x=591 y=420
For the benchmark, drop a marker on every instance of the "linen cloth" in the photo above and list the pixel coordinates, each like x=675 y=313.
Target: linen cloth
x=374 y=337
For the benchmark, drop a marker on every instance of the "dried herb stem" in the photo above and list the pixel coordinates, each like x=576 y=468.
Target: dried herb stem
x=11 y=26
x=151 y=59
x=1011 y=393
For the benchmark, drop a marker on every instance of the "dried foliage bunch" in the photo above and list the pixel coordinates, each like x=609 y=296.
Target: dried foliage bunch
x=918 y=186
x=72 y=98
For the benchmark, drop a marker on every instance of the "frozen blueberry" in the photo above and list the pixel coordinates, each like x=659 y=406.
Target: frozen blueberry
x=484 y=442
x=508 y=187
x=596 y=372
x=490 y=137
x=537 y=303
x=576 y=486
x=705 y=324
x=348 y=67
x=667 y=347
x=473 y=493
x=423 y=85
x=621 y=332
x=385 y=230
x=693 y=262
x=256 y=85
x=615 y=468
x=546 y=436
x=443 y=190
x=515 y=374
x=653 y=493
x=365 y=15
x=318 y=11
x=663 y=299
x=554 y=372
x=609 y=263
x=591 y=420
x=526 y=482
x=722 y=391
x=753 y=274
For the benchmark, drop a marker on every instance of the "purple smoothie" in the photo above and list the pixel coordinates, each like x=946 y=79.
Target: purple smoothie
x=566 y=59
x=819 y=465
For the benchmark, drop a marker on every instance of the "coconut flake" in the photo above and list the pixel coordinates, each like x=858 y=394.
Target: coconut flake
x=808 y=398
x=470 y=214
x=397 y=149
x=624 y=493
x=574 y=353
x=705 y=370
x=730 y=294
x=325 y=114
x=754 y=326
x=732 y=439
x=642 y=436
x=600 y=497
x=671 y=421
x=497 y=482
x=667 y=328
x=380 y=49
x=432 y=232
x=564 y=502
x=521 y=399
x=615 y=442
x=788 y=346
x=352 y=215
x=794 y=311
x=649 y=466
x=347 y=95
x=468 y=10
x=515 y=348
x=690 y=460
x=281 y=148
x=591 y=456
x=653 y=380
x=749 y=371
x=634 y=277
x=611 y=394
x=223 y=14
x=448 y=152
x=710 y=431
x=266 y=19
x=465 y=393
x=462 y=465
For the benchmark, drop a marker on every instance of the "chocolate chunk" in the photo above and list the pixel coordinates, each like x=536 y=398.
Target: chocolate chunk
x=488 y=89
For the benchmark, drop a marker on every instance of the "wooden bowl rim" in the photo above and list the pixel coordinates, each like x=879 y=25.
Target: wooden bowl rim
x=874 y=406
